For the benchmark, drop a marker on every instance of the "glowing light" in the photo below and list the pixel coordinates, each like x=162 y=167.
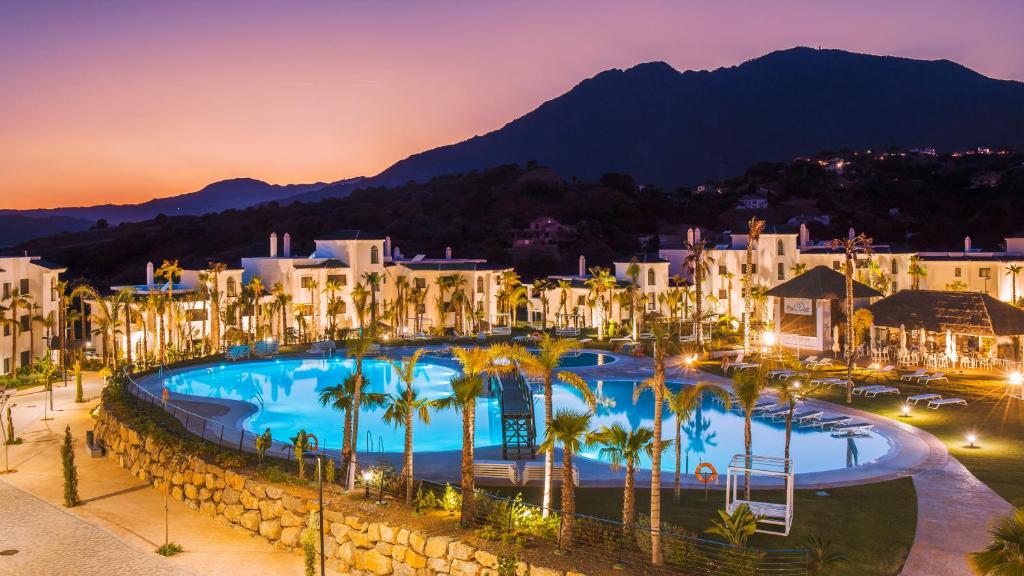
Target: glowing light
x=367 y=475
x=971 y=439
x=905 y=410
x=1016 y=378
x=769 y=338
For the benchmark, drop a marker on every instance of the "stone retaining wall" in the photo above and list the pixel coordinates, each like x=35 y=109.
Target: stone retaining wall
x=279 y=514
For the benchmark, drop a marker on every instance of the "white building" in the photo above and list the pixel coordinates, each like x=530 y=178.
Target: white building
x=32 y=283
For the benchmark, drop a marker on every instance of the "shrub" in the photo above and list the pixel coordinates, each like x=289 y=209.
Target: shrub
x=170 y=549
x=309 y=542
x=451 y=502
x=67 y=455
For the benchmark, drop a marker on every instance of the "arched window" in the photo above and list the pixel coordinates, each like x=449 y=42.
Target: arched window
x=480 y=284
x=650 y=277
x=232 y=288
x=780 y=247
x=374 y=255
x=895 y=267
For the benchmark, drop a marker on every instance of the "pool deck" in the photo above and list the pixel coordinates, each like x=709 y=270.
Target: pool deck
x=948 y=495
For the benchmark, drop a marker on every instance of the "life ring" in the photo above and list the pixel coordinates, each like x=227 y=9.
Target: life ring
x=314 y=440
x=711 y=476
x=535 y=335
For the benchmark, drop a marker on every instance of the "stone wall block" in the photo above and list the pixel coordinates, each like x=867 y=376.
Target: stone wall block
x=437 y=546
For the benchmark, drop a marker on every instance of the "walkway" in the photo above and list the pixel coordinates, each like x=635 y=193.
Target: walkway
x=121 y=522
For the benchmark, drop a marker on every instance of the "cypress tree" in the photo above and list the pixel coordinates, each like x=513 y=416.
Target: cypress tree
x=67 y=455
x=10 y=426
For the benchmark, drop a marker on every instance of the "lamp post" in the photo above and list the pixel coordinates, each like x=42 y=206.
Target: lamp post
x=320 y=521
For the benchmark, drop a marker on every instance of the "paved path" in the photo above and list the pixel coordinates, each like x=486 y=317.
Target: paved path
x=48 y=540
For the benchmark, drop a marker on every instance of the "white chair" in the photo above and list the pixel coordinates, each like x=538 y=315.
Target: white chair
x=859 y=390
x=496 y=470
x=922 y=397
x=535 y=471
x=935 y=404
x=881 y=390
x=914 y=375
x=937 y=377
x=237 y=352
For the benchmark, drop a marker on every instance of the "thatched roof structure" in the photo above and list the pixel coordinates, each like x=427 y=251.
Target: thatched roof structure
x=821 y=283
x=970 y=313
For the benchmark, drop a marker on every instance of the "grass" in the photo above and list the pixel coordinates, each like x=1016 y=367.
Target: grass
x=997 y=420
x=872 y=525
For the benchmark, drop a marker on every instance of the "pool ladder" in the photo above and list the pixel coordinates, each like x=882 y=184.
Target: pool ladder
x=369 y=443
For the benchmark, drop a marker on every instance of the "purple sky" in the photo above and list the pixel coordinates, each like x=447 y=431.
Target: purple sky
x=123 y=101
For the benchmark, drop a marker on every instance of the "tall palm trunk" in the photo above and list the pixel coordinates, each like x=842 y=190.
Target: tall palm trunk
x=407 y=466
x=747 y=446
x=789 y=432
x=468 y=487
x=850 y=260
x=16 y=324
x=699 y=308
x=679 y=457
x=346 y=438
x=659 y=401
x=549 y=454
x=628 y=502
x=568 y=499
x=354 y=439
x=128 y=333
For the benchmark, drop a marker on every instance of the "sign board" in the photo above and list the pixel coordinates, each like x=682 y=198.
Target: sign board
x=798 y=306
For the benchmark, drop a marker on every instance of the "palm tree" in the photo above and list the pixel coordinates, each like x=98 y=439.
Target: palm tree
x=798 y=269
x=791 y=394
x=543 y=365
x=916 y=271
x=754 y=229
x=403 y=407
x=571 y=429
x=747 y=388
x=682 y=404
x=664 y=343
x=728 y=276
x=516 y=298
x=624 y=449
x=478 y=364
x=852 y=247
x=82 y=291
x=331 y=288
x=341 y=398
x=540 y=292
x=564 y=289
x=373 y=282
x=17 y=300
x=508 y=280
x=126 y=297
x=633 y=271
x=358 y=349
x=61 y=288
x=360 y=297
x=699 y=261
x=214 y=270
x=1012 y=270
x=169 y=271
x=1004 y=555
x=255 y=287
x=282 y=299
x=601 y=283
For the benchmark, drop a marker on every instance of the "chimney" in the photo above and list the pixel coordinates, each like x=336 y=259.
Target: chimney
x=967 y=243
x=273 y=244
x=689 y=235
x=387 y=245
x=851 y=233
x=696 y=234
x=149 y=274
x=287 y=249
x=583 y=265
x=448 y=253
x=805 y=236
x=396 y=254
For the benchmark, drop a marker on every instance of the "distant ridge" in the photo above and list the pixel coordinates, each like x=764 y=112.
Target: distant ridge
x=676 y=128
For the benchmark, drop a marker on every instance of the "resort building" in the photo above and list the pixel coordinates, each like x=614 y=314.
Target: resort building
x=29 y=302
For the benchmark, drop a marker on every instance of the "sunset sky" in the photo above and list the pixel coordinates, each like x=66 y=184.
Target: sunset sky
x=123 y=101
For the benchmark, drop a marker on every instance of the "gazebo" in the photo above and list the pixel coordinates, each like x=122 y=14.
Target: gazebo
x=806 y=305
x=969 y=329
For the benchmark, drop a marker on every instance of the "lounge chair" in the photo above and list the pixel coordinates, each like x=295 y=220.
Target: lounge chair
x=937 y=377
x=882 y=390
x=935 y=404
x=535 y=471
x=922 y=397
x=809 y=361
x=858 y=390
x=767 y=406
x=851 y=428
x=264 y=349
x=496 y=470
x=828 y=382
x=780 y=412
x=807 y=416
x=830 y=421
x=824 y=362
x=780 y=374
x=914 y=375
x=322 y=348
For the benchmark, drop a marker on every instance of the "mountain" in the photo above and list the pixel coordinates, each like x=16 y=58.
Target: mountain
x=19 y=225
x=674 y=128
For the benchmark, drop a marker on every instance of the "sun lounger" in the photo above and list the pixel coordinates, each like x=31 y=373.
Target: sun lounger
x=496 y=470
x=778 y=412
x=922 y=397
x=881 y=390
x=322 y=348
x=807 y=416
x=937 y=377
x=851 y=428
x=265 y=349
x=809 y=361
x=823 y=423
x=828 y=382
x=821 y=363
x=935 y=404
x=780 y=374
x=237 y=352
x=535 y=471
x=913 y=376
x=761 y=407
x=858 y=390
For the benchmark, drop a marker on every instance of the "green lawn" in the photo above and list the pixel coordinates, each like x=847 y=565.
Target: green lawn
x=872 y=525
x=998 y=422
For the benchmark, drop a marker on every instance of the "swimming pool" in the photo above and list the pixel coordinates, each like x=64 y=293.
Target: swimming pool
x=285 y=394
x=584 y=359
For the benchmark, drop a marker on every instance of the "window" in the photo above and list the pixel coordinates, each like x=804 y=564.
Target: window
x=895 y=287
x=956 y=272
x=753 y=268
x=304 y=309
x=339 y=279
x=24 y=323
x=7 y=365
x=232 y=288
x=781 y=271
x=25 y=359
x=651 y=280
x=419 y=283
x=480 y=285
x=196 y=315
x=342 y=306
x=894 y=267
x=7 y=329
x=374 y=255
x=479 y=305
x=7 y=290
x=835 y=265
x=780 y=247
x=722 y=294
x=581 y=301
x=54 y=296
x=23 y=286
x=652 y=301
x=984 y=272
x=306 y=281
x=722 y=270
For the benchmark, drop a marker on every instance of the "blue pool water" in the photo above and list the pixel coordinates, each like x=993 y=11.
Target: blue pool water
x=285 y=393
x=586 y=359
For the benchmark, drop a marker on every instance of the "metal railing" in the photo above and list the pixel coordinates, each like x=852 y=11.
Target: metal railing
x=502 y=518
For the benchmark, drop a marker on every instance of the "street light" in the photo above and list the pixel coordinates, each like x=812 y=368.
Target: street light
x=320 y=480
x=971 y=439
x=905 y=411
